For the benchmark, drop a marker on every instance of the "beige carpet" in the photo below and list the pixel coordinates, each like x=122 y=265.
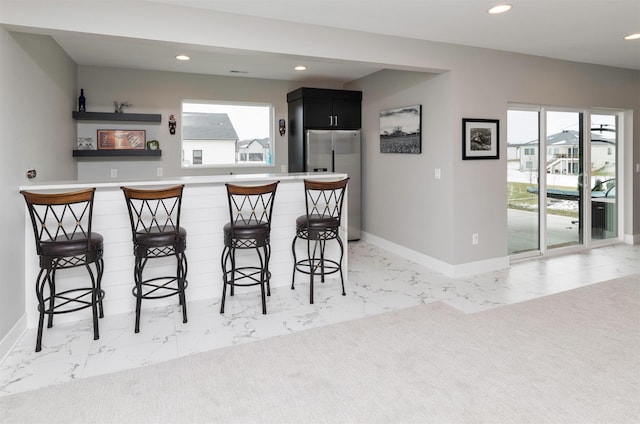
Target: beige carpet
x=569 y=358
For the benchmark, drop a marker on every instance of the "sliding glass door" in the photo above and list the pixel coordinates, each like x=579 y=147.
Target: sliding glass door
x=561 y=179
x=563 y=173
x=522 y=180
x=604 y=173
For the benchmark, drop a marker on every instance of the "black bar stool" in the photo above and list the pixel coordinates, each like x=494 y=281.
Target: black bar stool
x=323 y=201
x=62 y=228
x=155 y=225
x=249 y=227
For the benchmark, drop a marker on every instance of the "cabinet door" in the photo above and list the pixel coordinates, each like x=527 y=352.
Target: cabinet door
x=317 y=112
x=347 y=113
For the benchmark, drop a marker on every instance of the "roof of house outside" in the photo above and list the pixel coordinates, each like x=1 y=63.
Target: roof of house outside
x=570 y=138
x=243 y=144
x=207 y=126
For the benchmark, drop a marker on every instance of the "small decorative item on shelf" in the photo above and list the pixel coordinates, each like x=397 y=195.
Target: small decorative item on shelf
x=82 y=102
x=118 y=106
x=86 y=143
x=153 y=145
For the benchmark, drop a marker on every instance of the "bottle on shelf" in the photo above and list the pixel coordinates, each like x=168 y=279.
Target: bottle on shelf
x=82 y=102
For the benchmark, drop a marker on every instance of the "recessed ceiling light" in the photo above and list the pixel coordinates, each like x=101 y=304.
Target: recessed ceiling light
x=501 y=8
x=635 y=36
x=236 y=71
x=300 y=68
x=182 y=57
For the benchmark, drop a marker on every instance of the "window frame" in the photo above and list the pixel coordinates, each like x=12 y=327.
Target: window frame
x=187 y=153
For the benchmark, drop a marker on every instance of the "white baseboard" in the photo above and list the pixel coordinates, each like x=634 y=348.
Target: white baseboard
x=13 y=336
x=632 y=239
x=453 y=271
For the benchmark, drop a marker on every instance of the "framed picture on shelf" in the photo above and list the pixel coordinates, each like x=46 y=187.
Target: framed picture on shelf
x=480 y=138
x=121 y=139
x=86 y=143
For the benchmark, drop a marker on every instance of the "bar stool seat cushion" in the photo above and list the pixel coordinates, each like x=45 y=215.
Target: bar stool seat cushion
x=156 y=238
x=77 y=245
x=317 y=222
x=251 y=229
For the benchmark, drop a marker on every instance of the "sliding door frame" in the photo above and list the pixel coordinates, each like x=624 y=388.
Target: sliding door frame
x=585 y=236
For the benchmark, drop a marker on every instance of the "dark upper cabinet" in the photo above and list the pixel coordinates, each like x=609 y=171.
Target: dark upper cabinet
x=317 y=112
x=319 y=109
x=327 y=109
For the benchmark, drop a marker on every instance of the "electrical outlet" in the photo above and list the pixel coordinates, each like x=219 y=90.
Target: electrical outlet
x=114 y=173
x=438 y=174
x=474 y=238
x=283 y=168
x=159 y=172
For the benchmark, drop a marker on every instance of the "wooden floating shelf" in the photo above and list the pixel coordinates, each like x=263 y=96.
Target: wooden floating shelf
x=116 y=153
x=106 y=116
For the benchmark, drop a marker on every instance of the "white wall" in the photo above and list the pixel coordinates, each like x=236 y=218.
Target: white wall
x=402 y=201
x=37 y=92
x=437 y=217
x=479 y=186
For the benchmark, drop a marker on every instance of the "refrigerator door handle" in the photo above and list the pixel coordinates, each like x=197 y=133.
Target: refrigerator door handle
x=333 y=160
x=335 y=120
x=330 y=120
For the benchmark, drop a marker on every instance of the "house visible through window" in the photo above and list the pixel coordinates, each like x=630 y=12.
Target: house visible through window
x=197 y=157
x=226 y=134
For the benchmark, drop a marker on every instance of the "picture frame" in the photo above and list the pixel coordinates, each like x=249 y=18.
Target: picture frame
x=86 y=143
x=121 y=139
x=401 y=130
x=480 y=138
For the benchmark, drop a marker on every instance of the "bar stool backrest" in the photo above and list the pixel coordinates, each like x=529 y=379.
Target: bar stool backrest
x=155 y=210
x=251 y=205
x=324 y=199
x=60 y=217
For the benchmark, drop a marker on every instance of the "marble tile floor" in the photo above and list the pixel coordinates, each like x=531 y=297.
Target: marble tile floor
x=379 y=281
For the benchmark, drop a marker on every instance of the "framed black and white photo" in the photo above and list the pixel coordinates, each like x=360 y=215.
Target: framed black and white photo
x=480 y=138
x=400 y=130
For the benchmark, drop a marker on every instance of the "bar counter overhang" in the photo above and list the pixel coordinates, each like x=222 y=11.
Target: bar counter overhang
x=205 y=210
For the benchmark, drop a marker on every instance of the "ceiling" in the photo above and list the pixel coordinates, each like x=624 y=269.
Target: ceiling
x=588 y=31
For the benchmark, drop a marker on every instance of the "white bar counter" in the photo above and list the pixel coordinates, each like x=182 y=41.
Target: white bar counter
x=205 y=210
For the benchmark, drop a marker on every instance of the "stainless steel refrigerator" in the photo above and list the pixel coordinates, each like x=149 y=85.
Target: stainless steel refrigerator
x=338 y=151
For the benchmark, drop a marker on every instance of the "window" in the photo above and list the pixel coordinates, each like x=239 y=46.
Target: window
x=226 y=134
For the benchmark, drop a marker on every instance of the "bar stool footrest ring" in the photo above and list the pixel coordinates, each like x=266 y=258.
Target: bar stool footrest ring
x=86 y=291
x=151 y=283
